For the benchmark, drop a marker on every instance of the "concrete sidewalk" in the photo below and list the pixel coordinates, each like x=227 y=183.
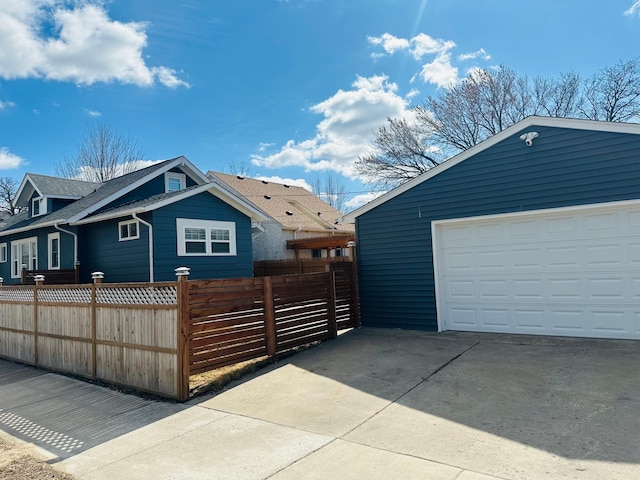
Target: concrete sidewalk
x=375 y=404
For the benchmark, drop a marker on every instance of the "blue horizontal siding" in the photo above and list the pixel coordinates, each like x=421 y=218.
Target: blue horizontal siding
x=563 y=168
x=203 y=206
x=102 y=251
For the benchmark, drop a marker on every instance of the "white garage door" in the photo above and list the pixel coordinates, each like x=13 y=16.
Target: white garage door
x=572 y=272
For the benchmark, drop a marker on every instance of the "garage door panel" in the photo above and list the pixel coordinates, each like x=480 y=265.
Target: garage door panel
x=574 y=273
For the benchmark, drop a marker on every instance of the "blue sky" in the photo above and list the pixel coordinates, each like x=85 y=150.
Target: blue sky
x=289 y=89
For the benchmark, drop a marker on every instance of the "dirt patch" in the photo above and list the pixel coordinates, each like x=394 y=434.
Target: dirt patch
x=18 y=462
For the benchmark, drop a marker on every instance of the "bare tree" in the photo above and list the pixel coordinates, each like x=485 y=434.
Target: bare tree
x=241 y=168
x=613 y=94
x=331 y=190
x=8 y=190
x=485 y=103
x=557 y=97
x=400 y=152
x=101 y=154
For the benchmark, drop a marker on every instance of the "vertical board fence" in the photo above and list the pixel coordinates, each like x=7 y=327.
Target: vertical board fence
x=124 y=334
x=154 y=336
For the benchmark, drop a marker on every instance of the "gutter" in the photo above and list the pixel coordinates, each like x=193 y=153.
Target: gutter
x=75 y=242
x=150 y=227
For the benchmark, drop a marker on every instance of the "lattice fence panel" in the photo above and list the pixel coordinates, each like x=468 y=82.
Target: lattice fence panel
x=9 y=294
x=65 y=295
x=156 y=295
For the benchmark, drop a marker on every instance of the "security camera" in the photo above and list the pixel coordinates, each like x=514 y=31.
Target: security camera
x=528 y=137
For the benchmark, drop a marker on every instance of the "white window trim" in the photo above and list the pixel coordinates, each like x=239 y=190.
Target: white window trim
x=3 y=252
x=15 y=246
x=50 y=238
x=173 y=175
x=208 y=225
x=128 y=222
x=42 y=201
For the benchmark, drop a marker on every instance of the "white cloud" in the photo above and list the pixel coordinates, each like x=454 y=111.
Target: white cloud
x=8 y=159
x=93 y=113
x=390 y=43
x=264 y=146
x=86 y=46
x=412 y=93
x=294 y=182
x=473 y=55
x=5 y=105
x=633 y=9
x=435 y=52
x=422 y=45
x=439 y=72
x=350 y=119
x=361 y=199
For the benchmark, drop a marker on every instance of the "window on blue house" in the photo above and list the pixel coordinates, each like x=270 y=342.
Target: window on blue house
x=128 y=230
x=174 y=181
x=54 y=250
x=24 y=253
x=205 y=237
x=38 y=206
x=3 y=252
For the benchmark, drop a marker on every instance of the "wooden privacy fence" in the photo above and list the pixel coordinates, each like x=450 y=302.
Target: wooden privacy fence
x=125 y=334
x=153 y=336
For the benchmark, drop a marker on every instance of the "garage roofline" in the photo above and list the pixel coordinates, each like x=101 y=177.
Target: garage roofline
x=572 y=123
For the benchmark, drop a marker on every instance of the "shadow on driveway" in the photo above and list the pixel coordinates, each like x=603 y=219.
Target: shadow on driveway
x=506 y=405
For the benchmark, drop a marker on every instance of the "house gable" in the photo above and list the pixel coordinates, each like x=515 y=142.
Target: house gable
x=564 y=167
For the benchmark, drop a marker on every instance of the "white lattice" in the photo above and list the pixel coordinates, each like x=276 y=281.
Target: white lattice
x=65 y=295
x=16 y=294
x=164 y=295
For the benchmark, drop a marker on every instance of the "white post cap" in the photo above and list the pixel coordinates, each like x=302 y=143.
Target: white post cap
x=182 y=271
x=95 y=275
x=39 y=278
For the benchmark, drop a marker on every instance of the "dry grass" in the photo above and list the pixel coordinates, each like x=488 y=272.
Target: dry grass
x=19 y=462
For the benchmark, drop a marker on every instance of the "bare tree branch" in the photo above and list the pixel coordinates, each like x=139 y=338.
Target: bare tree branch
x=8 y=190
x=331 y=190
x=613 y=94
x=101 y=154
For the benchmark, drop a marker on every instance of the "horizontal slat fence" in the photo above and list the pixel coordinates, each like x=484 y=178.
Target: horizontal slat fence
x=233 y=320
x=125 y=334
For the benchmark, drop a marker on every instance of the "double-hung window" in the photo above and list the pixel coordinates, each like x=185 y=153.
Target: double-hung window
x=54 y=250
x=3 y=252
x=205 y=237
x=24 y=253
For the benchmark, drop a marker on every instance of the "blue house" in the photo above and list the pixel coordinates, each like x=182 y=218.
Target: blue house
x=136 y=227
x=535 y=231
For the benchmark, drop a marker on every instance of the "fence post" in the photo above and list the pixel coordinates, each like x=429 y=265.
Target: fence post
x=183 y=332
x=269 y=315
x=39 y=279
x=331 y=306
x=355 y=290
x=97 y=278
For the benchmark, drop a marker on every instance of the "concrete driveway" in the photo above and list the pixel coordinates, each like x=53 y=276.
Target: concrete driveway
x=381 y=404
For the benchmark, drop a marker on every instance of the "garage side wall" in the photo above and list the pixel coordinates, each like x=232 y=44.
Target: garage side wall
x=564 y=167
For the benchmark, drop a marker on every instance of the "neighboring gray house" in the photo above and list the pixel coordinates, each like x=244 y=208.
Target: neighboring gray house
x=300 y=224
x=532 y=234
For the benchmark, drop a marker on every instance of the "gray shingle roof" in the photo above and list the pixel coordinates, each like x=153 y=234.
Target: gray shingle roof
x=107 y=189
x=55 y=186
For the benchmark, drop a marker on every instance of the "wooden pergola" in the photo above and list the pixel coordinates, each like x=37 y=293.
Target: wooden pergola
x=329 y=242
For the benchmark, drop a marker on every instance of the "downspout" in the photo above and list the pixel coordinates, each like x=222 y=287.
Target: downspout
x=150 y=227
x=75 y=243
